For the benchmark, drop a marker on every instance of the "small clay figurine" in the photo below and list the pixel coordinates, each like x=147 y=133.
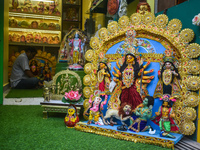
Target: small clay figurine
x=96 y=107
x=46 y=94
x=71 y=117
x=34 y=24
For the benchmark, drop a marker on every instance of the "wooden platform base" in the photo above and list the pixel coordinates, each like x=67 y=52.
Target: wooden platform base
x=57 y=106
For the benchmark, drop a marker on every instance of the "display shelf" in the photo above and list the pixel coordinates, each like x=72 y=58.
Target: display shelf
x=71 y=21
x=20 y=29
x=33 y=44
x=71 y=5
x=72 y=16
x=36 y=16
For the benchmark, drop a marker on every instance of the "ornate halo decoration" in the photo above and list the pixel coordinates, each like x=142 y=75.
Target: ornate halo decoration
x=194 y=67
x=88 y=68
x=123 y=22
x=86 y=80
x=170 y=35
x=161 y=21
x=94 y=42
x=188 y=128
x=113 y=27
x=89 y=55
x=192 y=100
x=87 y=92
x=187 y=35
x=135 y=18
x=189 y=114
x=103 y=33
x=193 y=50
x=193 y=83
x=148 y=18
x=175 y=25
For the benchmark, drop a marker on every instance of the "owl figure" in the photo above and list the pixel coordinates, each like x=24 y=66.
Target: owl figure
x=71 y=117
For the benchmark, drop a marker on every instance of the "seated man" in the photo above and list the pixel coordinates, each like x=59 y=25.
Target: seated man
x=21 y=76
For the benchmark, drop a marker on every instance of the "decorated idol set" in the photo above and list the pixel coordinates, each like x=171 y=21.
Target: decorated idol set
x=141 y=81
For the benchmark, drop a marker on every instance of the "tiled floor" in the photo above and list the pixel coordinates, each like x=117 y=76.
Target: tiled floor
x=21 y=101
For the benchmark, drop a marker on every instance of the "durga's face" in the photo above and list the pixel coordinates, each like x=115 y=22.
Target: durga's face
x=130 y=59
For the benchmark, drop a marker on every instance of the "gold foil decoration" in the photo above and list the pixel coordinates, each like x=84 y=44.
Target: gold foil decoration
x=148 y=18
x=193 y=50
x=113 y=27
x=88 y=68
x=189 y=114
x=86 y=80
x=89 y=55
x=123 y=21
x=94 y=42
x=161 y=21
x=192 y=100
x=135 y=18
x=187 y=128
x=86 y=103
x=194 y=67
x=103 y=33
x=193 y=83
x=175 y=25
x=187 y=35
x=87 y=92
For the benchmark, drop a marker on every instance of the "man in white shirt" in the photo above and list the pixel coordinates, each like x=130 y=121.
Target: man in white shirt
x=21 y=76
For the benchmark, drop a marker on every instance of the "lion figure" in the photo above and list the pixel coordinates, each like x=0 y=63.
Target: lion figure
x=123 y=113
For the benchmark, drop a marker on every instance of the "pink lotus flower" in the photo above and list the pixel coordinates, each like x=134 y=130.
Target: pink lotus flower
x=196 y=20
x=73 y=95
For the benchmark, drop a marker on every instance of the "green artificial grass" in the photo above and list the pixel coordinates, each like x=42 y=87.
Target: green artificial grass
x=23 y=93
x=23 y=128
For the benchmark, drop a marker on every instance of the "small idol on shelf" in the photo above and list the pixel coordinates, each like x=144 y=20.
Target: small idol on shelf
x=35 y=9
x=28 y=5
x=47 y=72
x=56 y=40
x=71 y=117
x=44 y=39
x=168 y=78
x=57 y=12
x=13 y=22
x=41 y=7
x=34 y=67
x=29 y=38
x=57 y=26
x=25 y=9
x=77 y=46
x=23 y=38
x=95 y=111
x=52 y=7
x=50 y=40
x=164 y=117
x=43 y=25
x=19 y=9
x=38 y=38
x=15 y=4
x=52 y=26
x=34 y=24
x=10 y=37
x=144 y=112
